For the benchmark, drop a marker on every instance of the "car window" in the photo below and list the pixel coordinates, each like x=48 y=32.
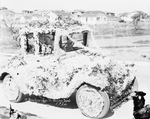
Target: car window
x=29 y=43
x=46 y=42
x=80 y=37
x=45 y=45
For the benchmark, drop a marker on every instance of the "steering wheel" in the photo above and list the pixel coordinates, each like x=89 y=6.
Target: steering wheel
x=67 y=46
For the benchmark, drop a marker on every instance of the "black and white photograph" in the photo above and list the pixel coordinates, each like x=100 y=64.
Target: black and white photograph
x=74 y=59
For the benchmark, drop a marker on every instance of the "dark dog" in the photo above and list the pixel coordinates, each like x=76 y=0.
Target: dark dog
x=141 y=111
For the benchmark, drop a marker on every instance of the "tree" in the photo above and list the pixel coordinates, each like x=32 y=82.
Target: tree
x=136 y=19
x=9 y=22
x=137 y=16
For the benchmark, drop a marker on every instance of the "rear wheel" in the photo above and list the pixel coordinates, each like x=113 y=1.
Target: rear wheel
x=92 y=103
x=11 y=89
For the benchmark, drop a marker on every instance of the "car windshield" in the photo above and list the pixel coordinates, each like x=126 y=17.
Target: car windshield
x=73 y=41
x=77 y=40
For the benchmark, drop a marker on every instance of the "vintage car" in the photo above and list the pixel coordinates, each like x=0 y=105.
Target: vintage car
x=55 y=63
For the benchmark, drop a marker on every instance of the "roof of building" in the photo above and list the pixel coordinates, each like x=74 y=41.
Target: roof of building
x=123 y=14
x=7 y=12
x=92 y=14
x=61 y=13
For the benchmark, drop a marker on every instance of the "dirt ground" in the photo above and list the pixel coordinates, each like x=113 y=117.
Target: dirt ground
x=135 y=48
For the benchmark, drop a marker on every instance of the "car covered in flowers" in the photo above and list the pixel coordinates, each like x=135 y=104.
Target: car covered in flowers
x=57 y=62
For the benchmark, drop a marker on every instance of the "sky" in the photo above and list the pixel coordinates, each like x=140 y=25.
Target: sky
x=116 y=6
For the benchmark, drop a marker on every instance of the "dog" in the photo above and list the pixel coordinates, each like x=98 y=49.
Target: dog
x=140 y=110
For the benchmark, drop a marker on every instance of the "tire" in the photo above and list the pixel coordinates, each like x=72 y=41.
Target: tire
x=92 y=103
x=11 y=90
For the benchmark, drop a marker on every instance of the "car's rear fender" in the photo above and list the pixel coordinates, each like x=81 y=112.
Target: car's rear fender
x=2 y=76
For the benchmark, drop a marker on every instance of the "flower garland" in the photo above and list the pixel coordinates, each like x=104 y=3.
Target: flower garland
x=110 y=76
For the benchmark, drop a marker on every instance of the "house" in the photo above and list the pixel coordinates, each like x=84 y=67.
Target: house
x=112 y=17
x=124 y=16
x=47 y=15
x=27 y=11
x=51 y=16
x=21 y=19
x=62 y=13
x=94 y=17
x=76 y=14
x=111 y=14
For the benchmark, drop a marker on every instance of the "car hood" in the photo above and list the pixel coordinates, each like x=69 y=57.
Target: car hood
x=94 y=64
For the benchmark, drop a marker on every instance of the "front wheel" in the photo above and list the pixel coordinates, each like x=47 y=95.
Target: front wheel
x=11 y=89
x=93 y=103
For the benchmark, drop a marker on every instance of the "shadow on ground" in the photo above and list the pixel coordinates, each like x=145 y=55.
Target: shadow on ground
x=5 y=114
x=62 y=103
x=109 y=114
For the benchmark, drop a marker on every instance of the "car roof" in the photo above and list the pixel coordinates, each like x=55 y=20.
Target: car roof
x=79 y=29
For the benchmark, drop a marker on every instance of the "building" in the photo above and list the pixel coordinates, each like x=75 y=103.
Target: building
x=76 y=14
x=124 y=17
x=47 y=14
x=62 y=13
x=94 y=17
x=27 y=11
x=111 y=14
